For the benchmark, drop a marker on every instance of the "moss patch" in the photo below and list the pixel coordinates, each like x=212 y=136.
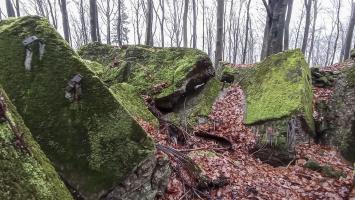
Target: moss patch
x=101 y=53
x=145 y=67
x=326 y=170
x=94 y=143
x=24 y=176
x=279 y=88
x=135 y=105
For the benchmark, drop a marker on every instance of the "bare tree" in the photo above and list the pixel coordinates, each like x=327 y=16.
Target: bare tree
x=298 y=30
x=274 y=28
x=308 y=5
x=17 y=6
x=149 y=27
x=161 y=19
x=338 y=31
x=53 y=12
x=194 y=26
x=10 y=9
x=315 y=14
x=203 y=24
x=83 y=22
x=219 y=33
x=246 y=33
x=349 y=34
x=93 y=21
x=287 y=24
x=236 y=32
x=184 y=25
x=66 y=28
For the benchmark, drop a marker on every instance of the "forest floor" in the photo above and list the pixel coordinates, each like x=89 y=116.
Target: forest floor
x=247 y=176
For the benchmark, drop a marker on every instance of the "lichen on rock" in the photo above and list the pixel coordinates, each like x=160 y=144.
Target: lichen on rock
x=25 y=175
x=94 y=142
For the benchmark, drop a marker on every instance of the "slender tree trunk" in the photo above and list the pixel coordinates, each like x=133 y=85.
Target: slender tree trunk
x=274 y=28
x=162 y=5
x=149 y=27
x=349 y=34
x=203 y=24
x=219 y=34
x=315 y=14
x=299 y=28
x=93 y=24
x=83 y=23
x=18 y=8
x=231 y=16
x=287 y=24
x=338 y=31
x=194 y=34
x=108 y=25
x=184 y=25
x=236 y=34
x=308 y=5
x=53 y=14
x=66 y=28
x=246 y=33
x=10 y=9
x=119 y=24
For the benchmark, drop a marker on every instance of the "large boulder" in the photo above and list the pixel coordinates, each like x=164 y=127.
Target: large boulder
x=336 y=125
x=278 y=103
x=92 y=140
x=167 y=74
x=25 y=171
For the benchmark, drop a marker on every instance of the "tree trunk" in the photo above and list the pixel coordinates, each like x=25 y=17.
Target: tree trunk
x=315 y=14
x=83 y=23
x=93 y=24
x=231 y=21
x=194 y=34
x=219 y=34
x=338 y=31
x=162 y=5
x=349 y=34
x=184 y=25
x=299 y=28
x=246 y=33
x=10 y=9
x=119 y=24
x=53 y=14
x=18 y=8
x=203 y=24
x=287 y=24
x=308 y=5
x=149 y=26
x=66 y=28
x=274 y=28
x=236 y=34
x=108 y=25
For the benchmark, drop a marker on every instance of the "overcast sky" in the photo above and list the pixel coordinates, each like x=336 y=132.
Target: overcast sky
x=257 y=10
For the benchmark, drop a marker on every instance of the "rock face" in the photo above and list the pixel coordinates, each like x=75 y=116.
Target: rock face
x=279 y=103
x=167 y=74
x=323 y=78
x=338 y=123
x=92 y=140
x=25 y=173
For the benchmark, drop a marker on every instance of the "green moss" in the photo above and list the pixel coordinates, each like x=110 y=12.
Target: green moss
x=206 y=99
x=279 y=88
x=94 y=143
x=135 y=105
x=101 y=53
x=24 y=176
x=326 y=170
x=145 y=67
x=350 y=76
x=96 y=67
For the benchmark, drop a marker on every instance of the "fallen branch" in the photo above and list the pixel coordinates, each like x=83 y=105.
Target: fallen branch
x=224 y=141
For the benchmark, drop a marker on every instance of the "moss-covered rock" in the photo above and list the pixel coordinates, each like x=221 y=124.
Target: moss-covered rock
x=281 y=87
x=102 y=53
x=195 y=108
x=94 y=142
x=326 y=170
x=165 y=73
x=135 y=105
x=339 y=121
x=24 y=175
x=352 y=54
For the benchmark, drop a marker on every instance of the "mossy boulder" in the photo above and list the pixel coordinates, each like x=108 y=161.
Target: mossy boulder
x=339 y=115
x=195 y=108
x=352 y=54
x=94 y=142
x=25 y=175
x=279 y=101
x=128 y=96
x=167 y=74
x=101 y=53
